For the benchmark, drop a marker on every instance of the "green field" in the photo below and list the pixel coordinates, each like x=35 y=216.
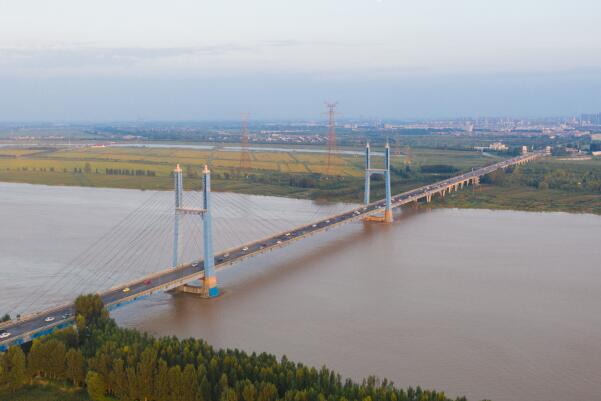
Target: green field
x=296 y=174
x=46 y=391
x=552 y=184
x=547 y=185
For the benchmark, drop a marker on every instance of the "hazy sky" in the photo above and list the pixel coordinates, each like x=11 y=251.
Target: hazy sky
x=199 y=59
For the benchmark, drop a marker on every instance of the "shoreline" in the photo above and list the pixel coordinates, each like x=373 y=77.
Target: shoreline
x=458 y=200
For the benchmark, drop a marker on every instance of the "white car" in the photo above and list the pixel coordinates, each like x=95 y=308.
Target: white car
x=245 y=249
x=314 y=225
x=49 y=319
x=327 y=221
x=287 y=234
x=5 y=334
x=279 y=242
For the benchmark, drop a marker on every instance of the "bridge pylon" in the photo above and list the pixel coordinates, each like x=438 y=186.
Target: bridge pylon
x=387 y=218
x=178 y=180
x=208 y=286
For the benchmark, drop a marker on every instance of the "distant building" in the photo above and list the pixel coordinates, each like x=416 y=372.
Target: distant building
x=524 y=150
x=591 y=118
x=498 y=146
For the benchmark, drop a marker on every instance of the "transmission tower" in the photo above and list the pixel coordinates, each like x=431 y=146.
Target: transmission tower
x=244 y=154
x=331 y=134
x=408 y=157
x=397 y=146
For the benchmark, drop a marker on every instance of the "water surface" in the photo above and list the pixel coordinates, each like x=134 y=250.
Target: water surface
x=491 y=304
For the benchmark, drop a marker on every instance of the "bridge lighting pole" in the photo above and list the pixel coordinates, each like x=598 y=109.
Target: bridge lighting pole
x=388 y=210
x=177 y=177
x=367 y=174
x=210 y=279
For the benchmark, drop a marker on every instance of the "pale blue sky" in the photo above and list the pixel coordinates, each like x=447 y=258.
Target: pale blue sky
x=82 y=60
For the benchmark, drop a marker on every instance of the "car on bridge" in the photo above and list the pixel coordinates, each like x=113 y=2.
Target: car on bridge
x=245 y=249
x=147 y=282
x=67 y=315
x=49 y=319
x=4 y=334
x=126 y=289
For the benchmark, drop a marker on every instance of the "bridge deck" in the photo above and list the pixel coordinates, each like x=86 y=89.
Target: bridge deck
x=34 y=325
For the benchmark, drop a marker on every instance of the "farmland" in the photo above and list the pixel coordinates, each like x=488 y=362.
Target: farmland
x=271 y=172
x=549 y=185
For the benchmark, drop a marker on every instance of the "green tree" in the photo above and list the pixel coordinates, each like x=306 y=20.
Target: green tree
x=96 y=386
x=175 y=382
x=5 y=318
x=249 y=392
x=161 y=382
x=90 y=307
x=228 y=394
x=56 y=352
x=75 y=369
x=34 y=359
x=119 y=379
x=189 y=384
x=13 y=372
x=146 y=368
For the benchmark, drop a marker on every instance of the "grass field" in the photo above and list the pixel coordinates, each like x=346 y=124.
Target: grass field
x=46 y=392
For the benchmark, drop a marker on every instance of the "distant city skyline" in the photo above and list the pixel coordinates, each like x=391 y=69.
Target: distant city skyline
x=198 y=60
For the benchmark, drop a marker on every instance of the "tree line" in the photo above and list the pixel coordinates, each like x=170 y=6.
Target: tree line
x=125 y=364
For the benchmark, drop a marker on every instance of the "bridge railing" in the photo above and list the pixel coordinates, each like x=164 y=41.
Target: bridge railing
x=34 y=315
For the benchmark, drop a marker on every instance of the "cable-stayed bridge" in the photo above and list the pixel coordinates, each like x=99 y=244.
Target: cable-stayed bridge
x=155 y=236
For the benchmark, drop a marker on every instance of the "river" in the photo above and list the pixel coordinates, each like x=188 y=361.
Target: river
x=489 y=304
